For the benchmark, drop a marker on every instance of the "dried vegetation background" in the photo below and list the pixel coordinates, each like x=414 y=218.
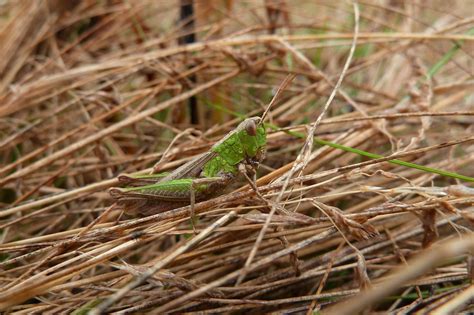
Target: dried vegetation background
x=91 y=89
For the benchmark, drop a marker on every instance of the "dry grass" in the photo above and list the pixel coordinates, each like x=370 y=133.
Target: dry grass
x=92 y=89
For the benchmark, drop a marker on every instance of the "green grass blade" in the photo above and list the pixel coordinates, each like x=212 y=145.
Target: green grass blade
x=447 y=56
x=377 y=156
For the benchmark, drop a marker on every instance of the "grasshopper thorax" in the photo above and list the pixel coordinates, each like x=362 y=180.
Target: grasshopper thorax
x=245 y=143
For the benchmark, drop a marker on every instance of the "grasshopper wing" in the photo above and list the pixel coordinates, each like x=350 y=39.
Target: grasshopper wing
x=192 y=169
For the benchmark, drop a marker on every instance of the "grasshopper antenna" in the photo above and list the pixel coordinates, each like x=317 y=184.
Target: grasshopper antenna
x=281 y=88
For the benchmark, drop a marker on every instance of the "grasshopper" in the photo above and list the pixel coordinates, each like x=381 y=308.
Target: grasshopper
x=239 y=151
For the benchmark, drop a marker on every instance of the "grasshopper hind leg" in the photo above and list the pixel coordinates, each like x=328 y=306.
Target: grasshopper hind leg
x=142 y=206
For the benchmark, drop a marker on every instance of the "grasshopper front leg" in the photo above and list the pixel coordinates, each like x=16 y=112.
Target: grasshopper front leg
x=244 y=169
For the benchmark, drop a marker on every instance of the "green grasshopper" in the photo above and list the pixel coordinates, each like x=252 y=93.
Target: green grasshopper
x=240 y=151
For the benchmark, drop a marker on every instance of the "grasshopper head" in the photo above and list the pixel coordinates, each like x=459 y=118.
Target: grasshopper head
x=253 y=138
x=250 y=125
x=244 y=144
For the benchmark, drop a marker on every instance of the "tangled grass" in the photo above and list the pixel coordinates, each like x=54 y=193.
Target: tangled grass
x=365 y=200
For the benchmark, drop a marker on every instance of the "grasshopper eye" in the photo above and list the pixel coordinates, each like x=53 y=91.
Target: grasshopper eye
x=251 y=128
